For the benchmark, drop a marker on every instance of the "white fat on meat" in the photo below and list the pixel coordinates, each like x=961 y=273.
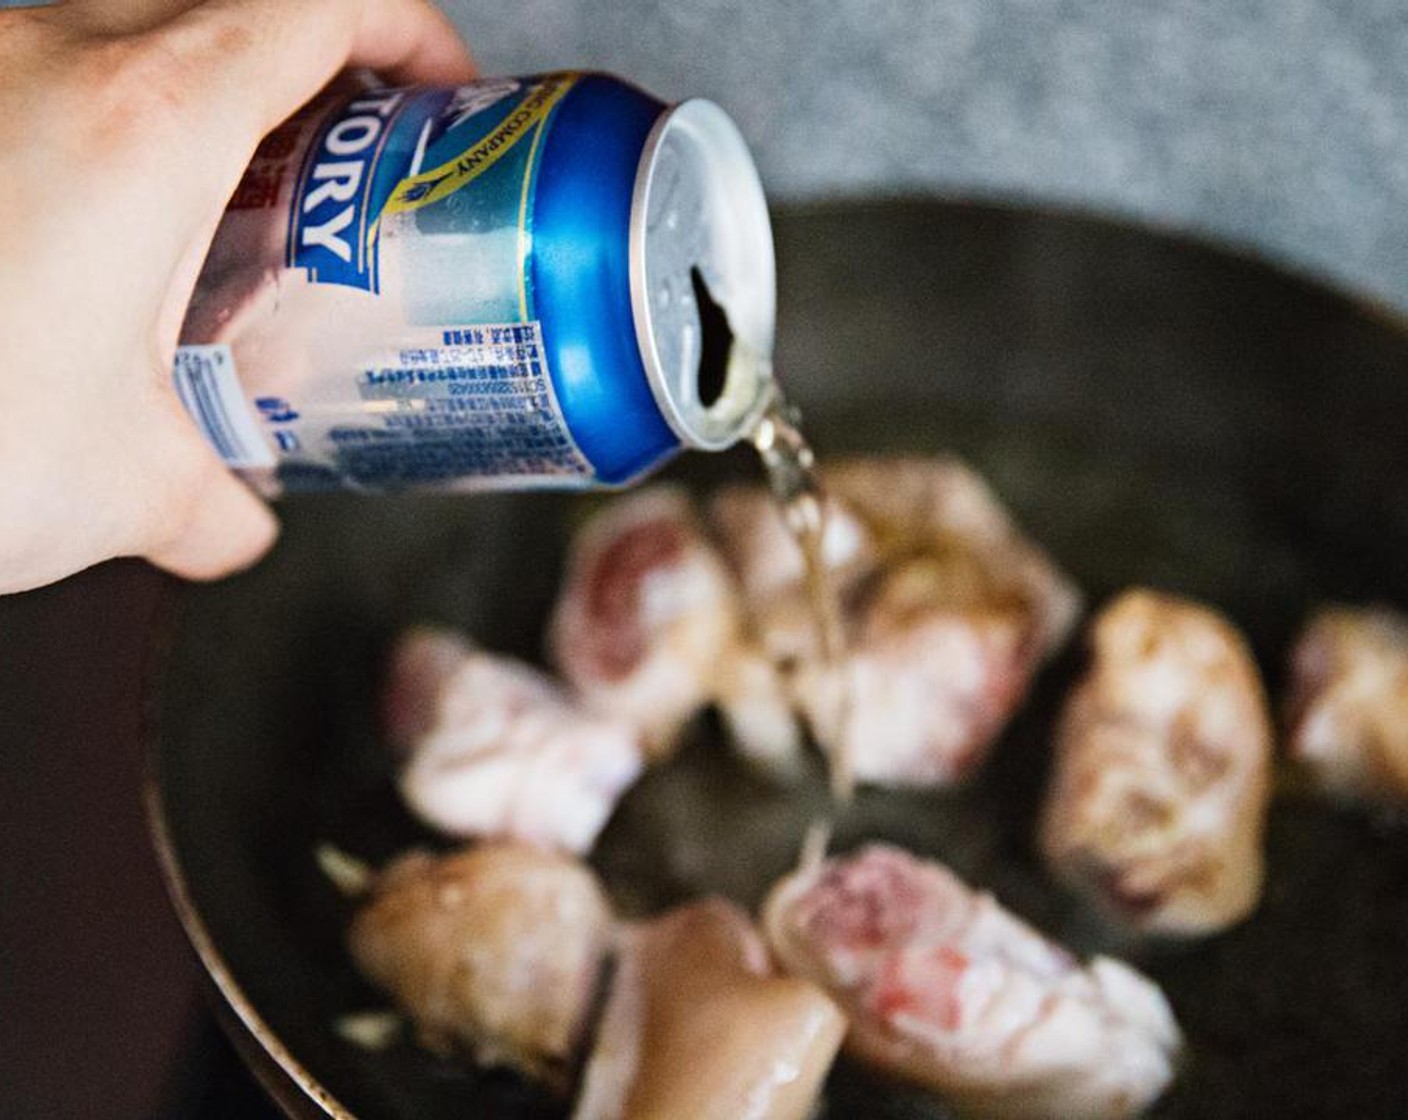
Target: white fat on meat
x=1157 y=805
x=646 y=615
x=1347 y=708
x=754 y=698
x=941 y=511
x=934 y=676
x=946 y=989
x=495 y=748
x=940 y=506
x=698 y=1025
x=498 y=949
x=768 y=563
x=948 y=610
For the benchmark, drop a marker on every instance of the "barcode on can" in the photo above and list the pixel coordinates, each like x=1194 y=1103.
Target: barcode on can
x=206 y=383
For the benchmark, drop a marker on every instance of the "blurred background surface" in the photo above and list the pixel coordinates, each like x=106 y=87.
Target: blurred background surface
x=1279 y=125
x=1276 y=126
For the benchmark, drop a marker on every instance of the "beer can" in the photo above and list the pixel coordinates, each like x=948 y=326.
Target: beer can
x=550 y=281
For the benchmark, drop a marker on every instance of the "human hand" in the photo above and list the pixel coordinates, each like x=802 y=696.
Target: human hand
x=124 y=128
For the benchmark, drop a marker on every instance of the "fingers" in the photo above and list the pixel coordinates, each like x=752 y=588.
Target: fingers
x=260 y=60
x=219 y=526
x=419 y=45
x=78 y=502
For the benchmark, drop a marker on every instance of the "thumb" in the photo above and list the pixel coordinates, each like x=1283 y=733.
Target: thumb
x=226 y=528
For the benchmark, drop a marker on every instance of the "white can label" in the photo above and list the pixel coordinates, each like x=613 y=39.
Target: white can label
x=478 y=404
x=206 y=383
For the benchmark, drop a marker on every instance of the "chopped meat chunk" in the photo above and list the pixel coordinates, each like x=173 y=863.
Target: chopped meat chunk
x=946 y=989
x=948 y=612
x=942 y=506
x=1348 y=705
x=497 y=948
x=698 y=1026
x=1158 y=802
x=934 y=675
x=495 y=748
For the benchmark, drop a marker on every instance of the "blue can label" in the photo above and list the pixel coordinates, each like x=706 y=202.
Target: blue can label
x=393 y=338
x=335 y=204
x=398 y=152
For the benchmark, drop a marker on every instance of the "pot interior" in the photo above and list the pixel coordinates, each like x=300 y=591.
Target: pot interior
x=1153 y=411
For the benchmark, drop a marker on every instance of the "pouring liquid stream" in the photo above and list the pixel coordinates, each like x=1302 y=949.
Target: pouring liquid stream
x=790 y=465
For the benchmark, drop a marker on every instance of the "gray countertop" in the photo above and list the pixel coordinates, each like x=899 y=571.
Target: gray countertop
x=1277 y=125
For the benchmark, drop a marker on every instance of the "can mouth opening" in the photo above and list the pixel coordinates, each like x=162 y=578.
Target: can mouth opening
x=715 y=342
x=703 y=276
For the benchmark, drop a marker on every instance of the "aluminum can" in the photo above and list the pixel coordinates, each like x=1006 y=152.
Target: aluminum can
x=551 y=281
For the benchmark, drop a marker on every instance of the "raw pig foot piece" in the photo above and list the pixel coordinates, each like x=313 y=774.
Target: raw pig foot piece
x=646 y=614
x=495 y=748
x=698 y=1026
x=1347 y=713
x=946 y=989
x=1158 y=801
x=498 y=948
x=949 y=612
